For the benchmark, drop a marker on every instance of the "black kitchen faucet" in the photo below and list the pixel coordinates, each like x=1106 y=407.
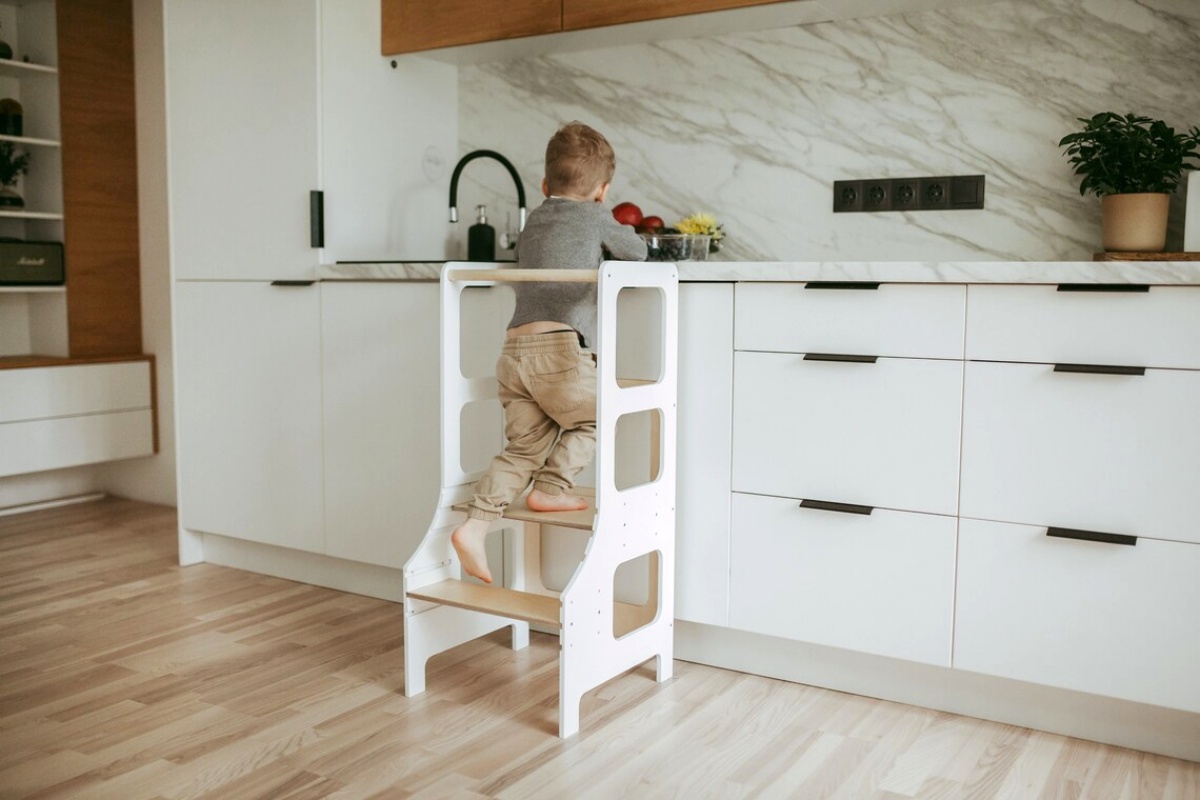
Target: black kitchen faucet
x=468 y=158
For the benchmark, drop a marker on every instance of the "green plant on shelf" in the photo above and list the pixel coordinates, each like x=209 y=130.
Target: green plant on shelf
x=14 y=162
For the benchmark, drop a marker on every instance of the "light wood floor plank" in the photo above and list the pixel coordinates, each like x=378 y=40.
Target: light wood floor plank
x=123 y=675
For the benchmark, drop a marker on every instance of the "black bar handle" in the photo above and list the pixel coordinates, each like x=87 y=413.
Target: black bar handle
x=1092 y=536
x=1103 y=287
x=844 y=508
x=292 y=283
x=316 y=218
x=840 y=357
x=861 y=285
x=1099 y=369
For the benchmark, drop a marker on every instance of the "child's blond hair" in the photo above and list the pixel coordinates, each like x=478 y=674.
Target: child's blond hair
x=578 y=160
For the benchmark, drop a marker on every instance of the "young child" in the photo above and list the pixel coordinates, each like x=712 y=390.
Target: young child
x=547 y=376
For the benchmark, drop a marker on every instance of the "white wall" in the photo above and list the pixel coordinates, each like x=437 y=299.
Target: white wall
x=151 y=479
x=756 y=127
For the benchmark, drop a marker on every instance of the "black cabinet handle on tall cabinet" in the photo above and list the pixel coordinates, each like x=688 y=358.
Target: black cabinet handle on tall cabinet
x=316 y=218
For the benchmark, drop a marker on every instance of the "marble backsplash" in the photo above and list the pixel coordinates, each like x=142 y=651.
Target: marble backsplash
x=755 y=127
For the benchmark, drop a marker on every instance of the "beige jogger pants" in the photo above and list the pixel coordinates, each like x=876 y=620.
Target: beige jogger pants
x=548 y=392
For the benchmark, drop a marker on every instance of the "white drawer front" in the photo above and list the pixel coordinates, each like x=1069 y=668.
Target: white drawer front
x=1156 y=328
x=39 y=445
x=1108 y=619
x=1111 y=453
x=880 y=584
x=915 y=321
x=882 y=434
x=45 y=392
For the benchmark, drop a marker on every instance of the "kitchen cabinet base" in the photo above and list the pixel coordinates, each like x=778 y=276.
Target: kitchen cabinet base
x=1118 y=722
x=296 y=565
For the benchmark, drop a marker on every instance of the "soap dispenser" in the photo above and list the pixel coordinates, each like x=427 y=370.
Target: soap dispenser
x=481 y=238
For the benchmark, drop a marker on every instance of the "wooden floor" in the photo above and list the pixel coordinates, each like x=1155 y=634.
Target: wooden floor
x=125 y=676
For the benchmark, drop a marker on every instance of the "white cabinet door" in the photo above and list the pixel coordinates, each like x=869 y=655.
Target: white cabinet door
x=389 y=137
x=42 y=444
x=892 y=319
x=882 y=583
x=879 y=434
x=1111 y=453
x=380 y=356
x=1105 y=618
x=249 y=410
x=242 y=125
x=77 y=389
x=705 y=412
x=1157 y=327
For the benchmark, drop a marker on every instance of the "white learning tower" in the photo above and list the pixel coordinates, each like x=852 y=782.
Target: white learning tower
x=601 y=636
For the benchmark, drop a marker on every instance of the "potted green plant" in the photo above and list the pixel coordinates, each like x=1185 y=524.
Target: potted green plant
x=14 y=163
x=1133 y=164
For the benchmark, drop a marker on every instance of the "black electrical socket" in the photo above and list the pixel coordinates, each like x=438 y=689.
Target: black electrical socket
x=847 y=196
x=877 y=195
x=906 y=194
x=935 y=193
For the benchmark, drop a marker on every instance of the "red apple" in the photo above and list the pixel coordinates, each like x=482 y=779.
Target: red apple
x=652 y=224
x=627 y=214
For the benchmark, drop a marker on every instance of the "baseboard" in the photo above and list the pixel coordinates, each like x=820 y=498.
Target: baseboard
x=1085 y=716
x=42 y=505
x=354 y=577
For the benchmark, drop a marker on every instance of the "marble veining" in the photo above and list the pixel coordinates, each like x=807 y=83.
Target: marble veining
x=755 y=127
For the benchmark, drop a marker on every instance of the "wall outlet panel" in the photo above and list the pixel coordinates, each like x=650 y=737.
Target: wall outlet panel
x=847 y=196
x=944 y=193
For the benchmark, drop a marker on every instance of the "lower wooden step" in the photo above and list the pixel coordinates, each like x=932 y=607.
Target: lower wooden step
x=497 y=600
x=536 y=608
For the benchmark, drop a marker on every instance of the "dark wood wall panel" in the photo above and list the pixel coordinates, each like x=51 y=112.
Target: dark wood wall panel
x=99 y=142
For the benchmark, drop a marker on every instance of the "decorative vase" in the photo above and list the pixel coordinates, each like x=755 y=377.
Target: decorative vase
x=1134 y=223
x=12 y=117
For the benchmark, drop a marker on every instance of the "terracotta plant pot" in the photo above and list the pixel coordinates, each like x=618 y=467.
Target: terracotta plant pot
x=1134 y=222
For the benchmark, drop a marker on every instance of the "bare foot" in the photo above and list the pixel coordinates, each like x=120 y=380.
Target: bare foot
x=540 y=501
x=468 y=541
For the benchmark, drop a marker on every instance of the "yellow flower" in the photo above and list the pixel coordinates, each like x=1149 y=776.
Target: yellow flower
x=698 y=223
x=703 y=223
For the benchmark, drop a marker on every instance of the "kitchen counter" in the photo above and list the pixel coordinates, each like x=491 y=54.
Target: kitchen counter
x=1134 y=272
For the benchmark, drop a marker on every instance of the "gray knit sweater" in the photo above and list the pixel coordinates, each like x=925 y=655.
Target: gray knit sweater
x=569 y=234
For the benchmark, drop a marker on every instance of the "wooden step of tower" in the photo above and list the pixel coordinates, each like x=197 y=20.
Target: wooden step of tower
x=521 y=512
x=540 y=609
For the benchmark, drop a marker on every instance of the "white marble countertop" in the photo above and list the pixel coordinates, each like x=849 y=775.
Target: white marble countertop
x=1137 y=272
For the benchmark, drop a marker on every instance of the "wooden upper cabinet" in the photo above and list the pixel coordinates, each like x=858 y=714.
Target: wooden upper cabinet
x=578 y=14
x=412 y=25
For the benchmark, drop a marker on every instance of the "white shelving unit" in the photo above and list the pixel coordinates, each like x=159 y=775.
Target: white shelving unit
x=34 y=317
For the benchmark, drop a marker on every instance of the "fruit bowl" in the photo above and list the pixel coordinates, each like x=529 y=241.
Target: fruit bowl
x=676 y=246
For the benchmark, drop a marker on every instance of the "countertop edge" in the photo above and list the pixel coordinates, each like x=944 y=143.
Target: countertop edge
x=1025 y=272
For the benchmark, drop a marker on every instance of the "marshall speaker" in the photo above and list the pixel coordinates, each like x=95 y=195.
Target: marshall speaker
x=31 y=263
